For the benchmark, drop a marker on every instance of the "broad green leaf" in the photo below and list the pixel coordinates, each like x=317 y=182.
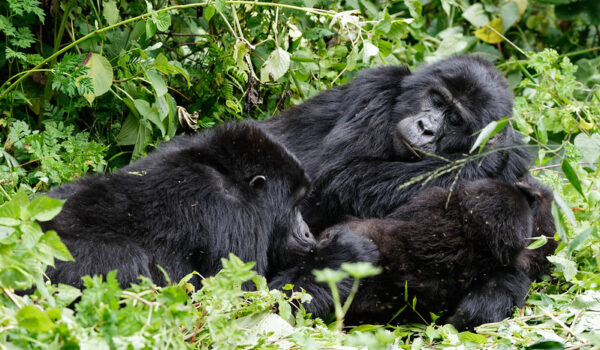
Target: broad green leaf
x=468 y=337
x=369 y=50
x=150 y=113
x=571 y=175
x=414 y=7
x=34 y=320
x=162 y=20
x=541 y=132
x=239 y=52
x=110 y=11
x=220 y=5
x=161 y=63
x=129 y=131
x=539 y=242
x=276 y=65
x=564 y=265
x=16 y=207
x=384 y=25
x=157 y=82
x=51 y=243
x=9 y=221
x=15 y=277
x=32 y=232
x=488 y=35
x=581 y=238
x=329 y=275
x=100 y=72
x=510 y=14
x=361 y=269
x=150 y=29
x=43 y=208
x=209 y=12
x=589 y=146
x=488 y=132
x=476 y=15
x=546 y=345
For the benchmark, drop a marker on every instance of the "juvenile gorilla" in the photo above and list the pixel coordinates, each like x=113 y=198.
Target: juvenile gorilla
x=186 y=205
x=447 y=263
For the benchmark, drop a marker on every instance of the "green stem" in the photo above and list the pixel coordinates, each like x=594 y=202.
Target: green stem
x=146 y=15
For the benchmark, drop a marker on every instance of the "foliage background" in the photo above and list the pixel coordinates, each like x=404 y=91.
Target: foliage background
x=90 y=85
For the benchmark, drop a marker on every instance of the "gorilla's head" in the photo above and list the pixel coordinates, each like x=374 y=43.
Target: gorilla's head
x=444 y=104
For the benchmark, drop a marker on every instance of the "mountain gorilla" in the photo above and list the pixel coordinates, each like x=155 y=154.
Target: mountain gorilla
x=188 y=204
x=359 y=143
x=364 y=142
x=479 y=228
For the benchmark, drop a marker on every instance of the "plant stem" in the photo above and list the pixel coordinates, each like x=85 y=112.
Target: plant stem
x=146 y=15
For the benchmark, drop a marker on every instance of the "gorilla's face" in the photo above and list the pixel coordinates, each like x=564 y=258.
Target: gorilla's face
x=443 y=105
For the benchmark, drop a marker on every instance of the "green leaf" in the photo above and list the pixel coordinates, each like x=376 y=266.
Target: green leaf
x=209 y=12
x=571 y=175
x=157 y=83
x=100 y=72
x=276 y=65
x=581 y=238
x=361 y=269
x=15 y=277
x=564 y=265
x=129 y=131
x=162 y=20
x=539 y=242
x=384 y=26
x=546 y=344
x=415 y=8
x=110 y=11
x=589 y=146
x=150 y=113
x=476 y=15
x=488 y=132
x=31 y=233
x=50 y=242
x=16 y=207
x=34 y=320
x=561 y=230
x=468 y=337
x=488 y=35
x=329 y=275
x=150 y=29
x=43 y=208
x=510 y=14
x=220 y=5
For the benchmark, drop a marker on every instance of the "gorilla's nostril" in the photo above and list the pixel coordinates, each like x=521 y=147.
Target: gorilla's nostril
x=307 y=235
x=420 y=125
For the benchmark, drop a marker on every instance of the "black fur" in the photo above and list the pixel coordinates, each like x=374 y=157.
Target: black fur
x=464 y=257
x=188 y=204
x=347 y=138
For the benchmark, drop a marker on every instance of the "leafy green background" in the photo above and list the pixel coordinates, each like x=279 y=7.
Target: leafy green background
x=88 y=86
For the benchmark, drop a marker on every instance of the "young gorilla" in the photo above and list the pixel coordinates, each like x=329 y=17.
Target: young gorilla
x=188 y=204
x=484 y=229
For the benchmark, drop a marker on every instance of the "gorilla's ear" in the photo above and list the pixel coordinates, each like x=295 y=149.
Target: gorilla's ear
x=531 y=193
x=257 y=181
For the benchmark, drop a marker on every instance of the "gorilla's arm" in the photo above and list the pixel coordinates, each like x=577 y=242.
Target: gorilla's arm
x=331 y=252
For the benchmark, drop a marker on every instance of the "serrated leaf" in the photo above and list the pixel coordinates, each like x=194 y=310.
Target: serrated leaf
x=100 y=72
x=276 y=65
x=488 y=132
x=414 y=7
x=43 y=208
x=157 y=82
x=50 y=242
x=564 y=265
x=32 y=232
x=162 y=20
x=361 y=269
x=571 y=175
x=110 y=11
x=476 y=15
x=384 y=25
x=34 y=320
x=488 y=35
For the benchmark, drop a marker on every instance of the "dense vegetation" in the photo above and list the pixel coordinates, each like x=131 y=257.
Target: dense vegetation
x=90 y=85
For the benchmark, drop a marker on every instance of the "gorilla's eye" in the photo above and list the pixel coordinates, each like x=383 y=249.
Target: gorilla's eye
x=437 y=100
x=257 y=181
x=453 y=118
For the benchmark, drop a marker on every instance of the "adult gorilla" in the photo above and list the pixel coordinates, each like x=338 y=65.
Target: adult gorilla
x=359 y=143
